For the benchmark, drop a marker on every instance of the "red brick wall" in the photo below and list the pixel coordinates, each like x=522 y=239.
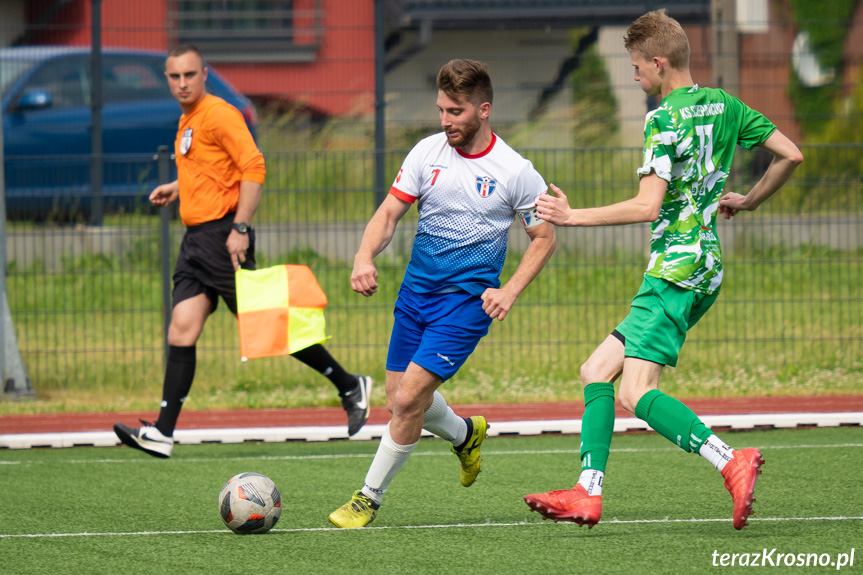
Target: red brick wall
x=339 y=81
x=765 y=69
x=853 y=52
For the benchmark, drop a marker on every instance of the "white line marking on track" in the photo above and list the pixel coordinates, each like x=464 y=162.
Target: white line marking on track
x=437 y=526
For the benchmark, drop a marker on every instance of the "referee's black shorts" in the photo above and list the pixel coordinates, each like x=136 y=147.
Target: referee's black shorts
x=204 y=265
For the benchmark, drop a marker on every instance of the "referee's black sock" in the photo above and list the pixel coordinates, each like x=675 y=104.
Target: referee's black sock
x=178 y=381
x=319 y=359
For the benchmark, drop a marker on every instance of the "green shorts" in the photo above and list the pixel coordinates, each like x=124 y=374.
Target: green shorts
x=661 y=314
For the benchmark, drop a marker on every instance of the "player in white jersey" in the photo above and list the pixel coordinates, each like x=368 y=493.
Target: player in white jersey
x=469 y=186
x=466 y=203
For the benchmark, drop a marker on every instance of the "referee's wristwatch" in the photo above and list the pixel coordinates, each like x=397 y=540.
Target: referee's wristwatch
x=241 y=227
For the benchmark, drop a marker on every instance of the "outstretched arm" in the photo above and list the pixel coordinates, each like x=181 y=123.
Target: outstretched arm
x=786 y=158
x=642 y=208
x=378 y=234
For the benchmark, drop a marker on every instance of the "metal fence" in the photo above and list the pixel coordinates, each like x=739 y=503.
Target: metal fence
x=88 y=309
x=87 y=301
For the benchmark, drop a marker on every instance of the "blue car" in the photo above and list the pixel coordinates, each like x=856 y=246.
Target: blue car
x=47 y=127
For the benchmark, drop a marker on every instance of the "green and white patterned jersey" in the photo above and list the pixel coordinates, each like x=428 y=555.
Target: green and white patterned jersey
x=689 y=141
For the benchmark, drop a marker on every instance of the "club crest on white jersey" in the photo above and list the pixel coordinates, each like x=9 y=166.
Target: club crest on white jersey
x=485 y=186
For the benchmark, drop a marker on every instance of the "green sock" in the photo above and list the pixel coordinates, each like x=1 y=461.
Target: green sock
x=673 y=420
x=597 y=425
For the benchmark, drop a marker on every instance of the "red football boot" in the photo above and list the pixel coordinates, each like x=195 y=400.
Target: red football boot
x=740 y=475
x=567 y=505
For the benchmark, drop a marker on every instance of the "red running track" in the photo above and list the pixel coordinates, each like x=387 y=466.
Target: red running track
x=72 y=422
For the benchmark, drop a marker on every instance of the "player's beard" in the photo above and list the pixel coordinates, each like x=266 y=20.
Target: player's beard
x=466 y=133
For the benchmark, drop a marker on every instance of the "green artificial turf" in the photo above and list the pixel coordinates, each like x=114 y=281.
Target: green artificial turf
x=115 y=510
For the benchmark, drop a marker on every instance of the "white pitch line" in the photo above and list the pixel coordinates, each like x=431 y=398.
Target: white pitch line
x=374 y=432
x=433 y=526
x=415 y=454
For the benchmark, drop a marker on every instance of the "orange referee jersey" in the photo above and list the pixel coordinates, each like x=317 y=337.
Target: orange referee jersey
x=215 y=152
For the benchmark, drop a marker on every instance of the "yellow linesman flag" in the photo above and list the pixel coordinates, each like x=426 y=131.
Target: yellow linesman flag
x=280 y=310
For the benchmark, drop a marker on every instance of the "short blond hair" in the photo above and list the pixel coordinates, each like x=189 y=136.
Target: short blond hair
x=183 y=49
x=657 y=34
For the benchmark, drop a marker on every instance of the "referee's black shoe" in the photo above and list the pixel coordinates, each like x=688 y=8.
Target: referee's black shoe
x=357 y=404
x=146 y=438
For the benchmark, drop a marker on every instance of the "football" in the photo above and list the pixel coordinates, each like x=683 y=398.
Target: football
x=250 y=503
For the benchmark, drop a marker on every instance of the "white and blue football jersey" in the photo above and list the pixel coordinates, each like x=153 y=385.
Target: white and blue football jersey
x=466 y=204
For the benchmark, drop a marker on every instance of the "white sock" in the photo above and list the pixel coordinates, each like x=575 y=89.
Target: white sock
x=387 y=462
x=716 y=452
x=591 y=480
x=441 y=420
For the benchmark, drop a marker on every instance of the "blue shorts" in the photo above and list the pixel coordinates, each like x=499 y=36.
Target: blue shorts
x=436 y=331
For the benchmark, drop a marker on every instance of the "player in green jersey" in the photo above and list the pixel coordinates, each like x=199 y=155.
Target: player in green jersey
x=689 y=143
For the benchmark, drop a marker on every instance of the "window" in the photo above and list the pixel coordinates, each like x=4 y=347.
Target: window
x=65 y=79
x=127 y=79
x=752 y=16
x=251 y=30
x=11 y=69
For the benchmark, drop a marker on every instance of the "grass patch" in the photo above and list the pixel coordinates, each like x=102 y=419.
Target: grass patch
x=785 y=324
x=116 y=509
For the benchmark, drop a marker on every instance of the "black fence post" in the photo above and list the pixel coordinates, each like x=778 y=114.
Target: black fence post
x=96 y=160
x=380 y=103
x=164 y=159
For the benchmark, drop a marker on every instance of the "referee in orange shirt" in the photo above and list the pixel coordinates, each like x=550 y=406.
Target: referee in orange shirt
x=220 y=179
